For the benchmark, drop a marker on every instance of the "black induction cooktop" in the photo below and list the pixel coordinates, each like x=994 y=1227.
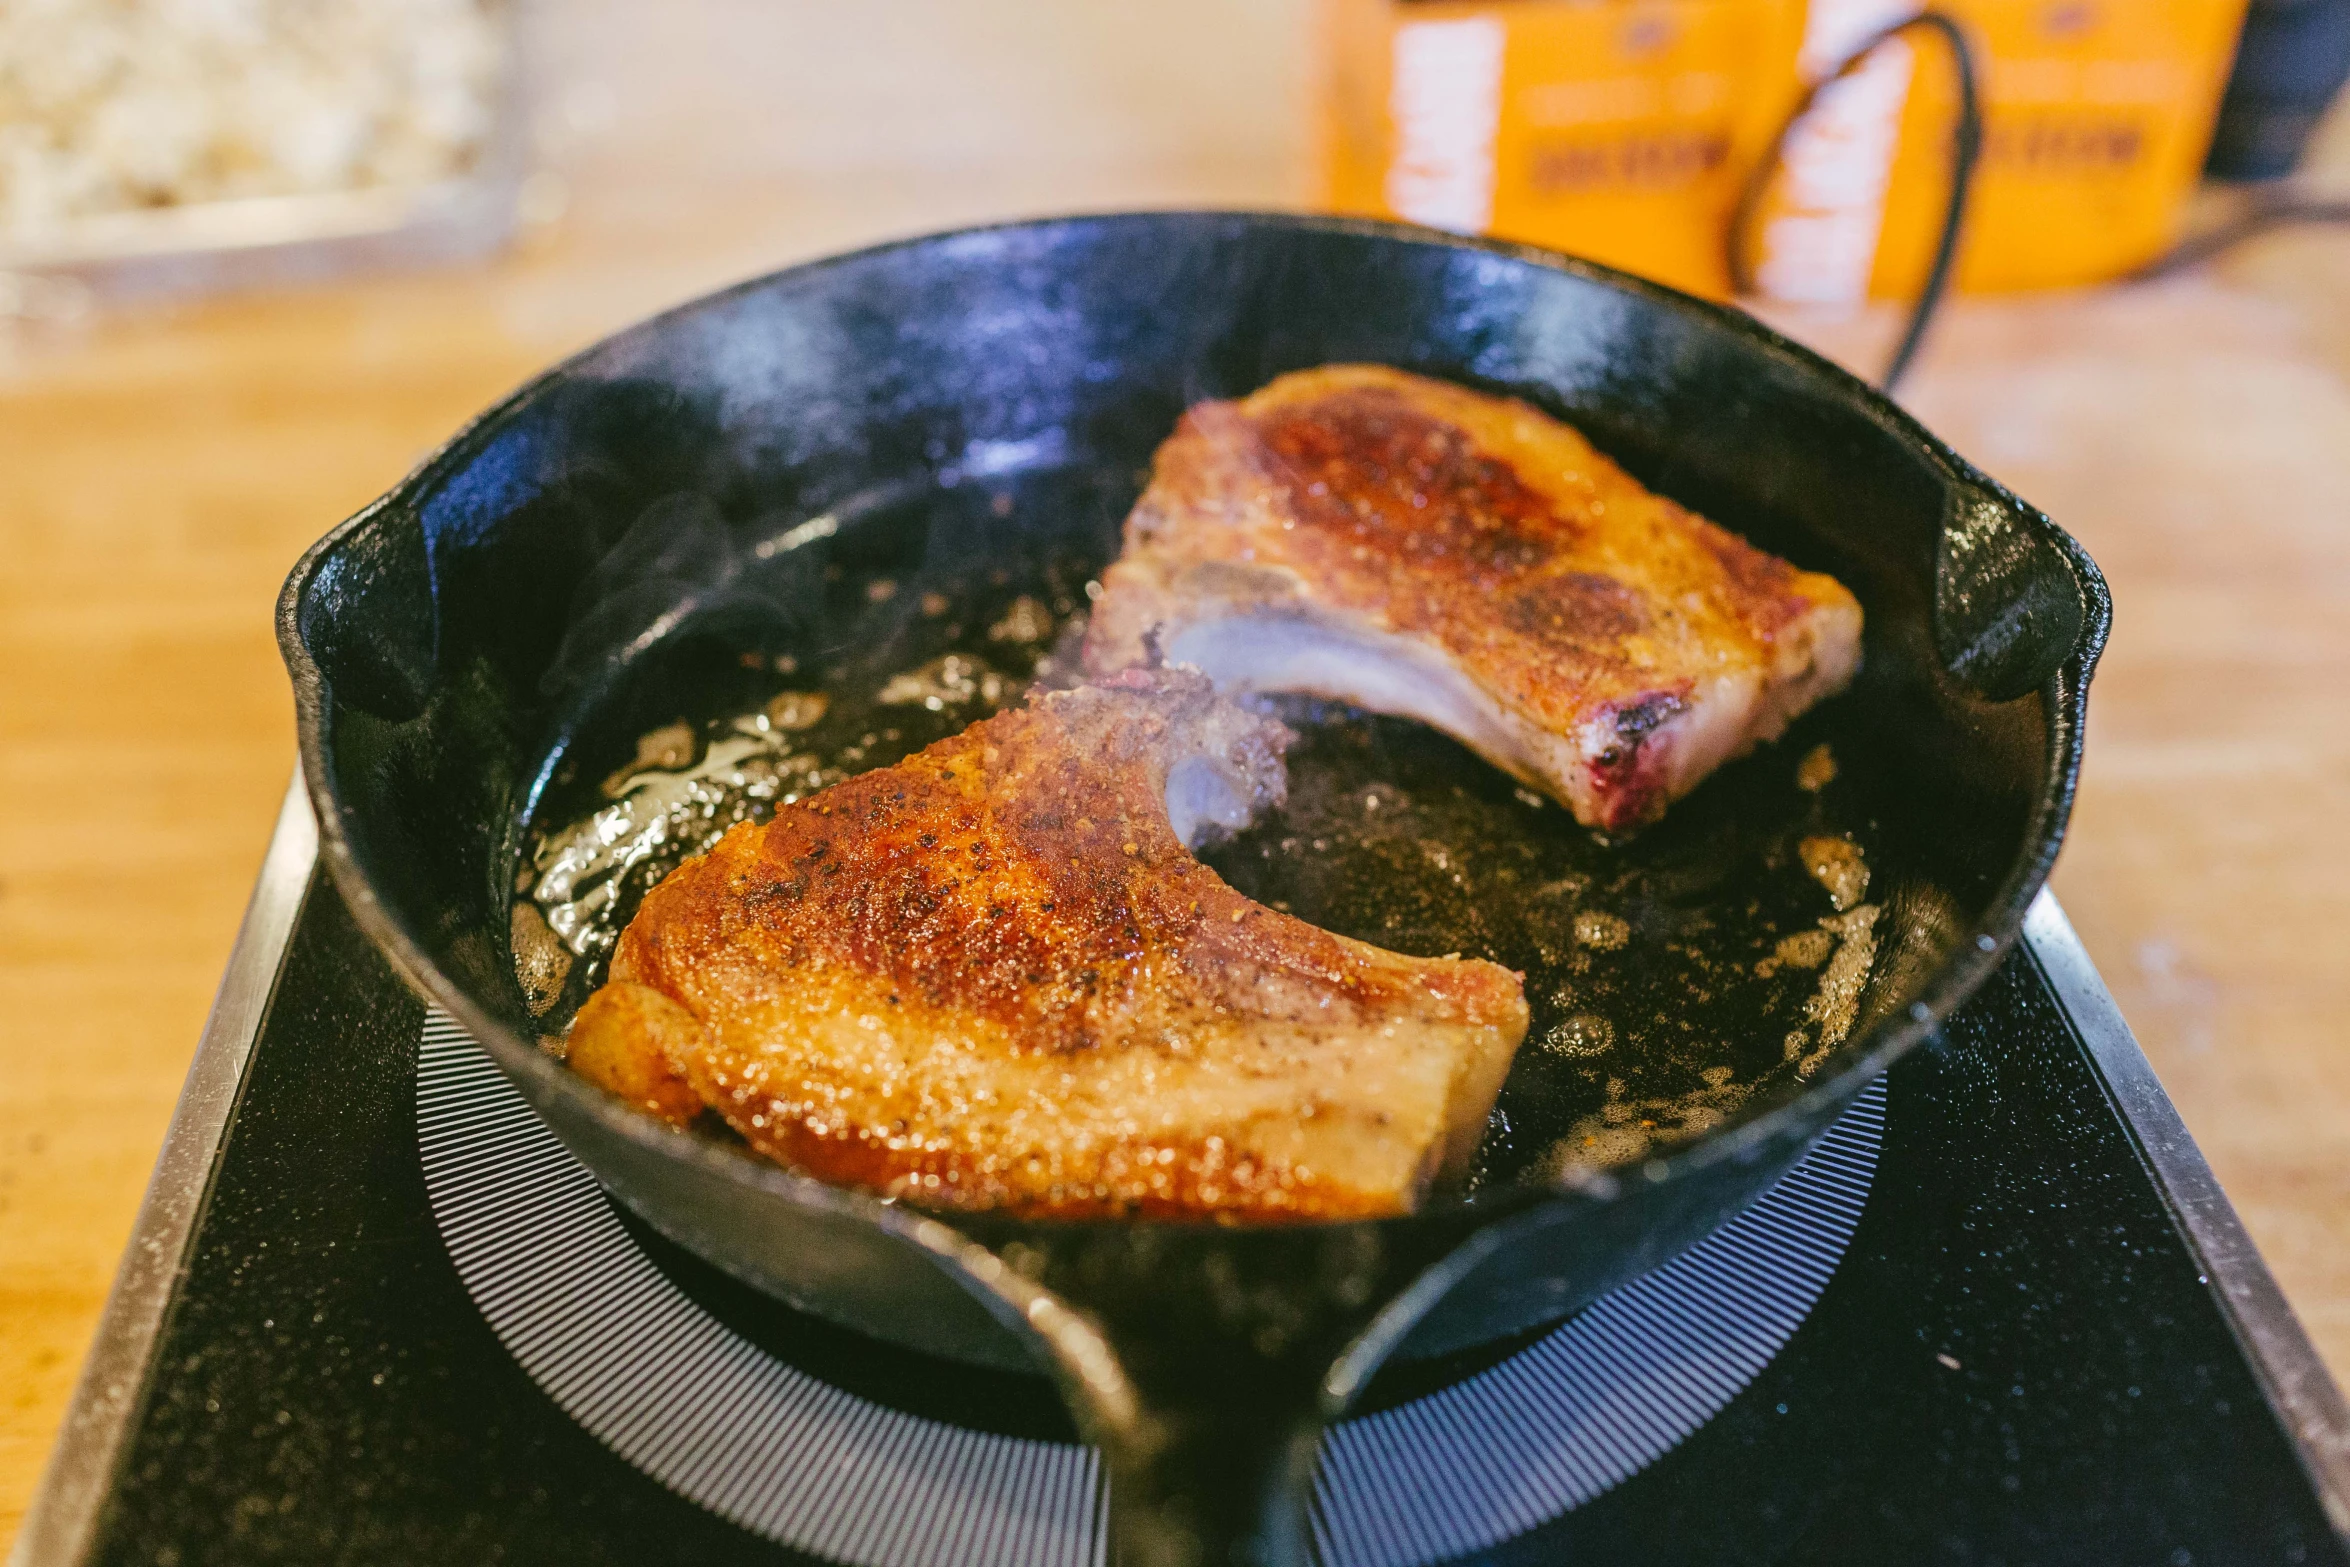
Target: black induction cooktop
x=2002 y=1315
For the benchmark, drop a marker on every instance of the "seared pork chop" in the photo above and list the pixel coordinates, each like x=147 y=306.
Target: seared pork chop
x=1418 y=548
x=994 y=976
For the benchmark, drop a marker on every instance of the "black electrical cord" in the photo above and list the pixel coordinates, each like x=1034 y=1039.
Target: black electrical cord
x=2286 y=210
x=1966 y=150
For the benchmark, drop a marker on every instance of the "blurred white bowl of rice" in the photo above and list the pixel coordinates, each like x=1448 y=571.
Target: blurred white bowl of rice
x=141 y=129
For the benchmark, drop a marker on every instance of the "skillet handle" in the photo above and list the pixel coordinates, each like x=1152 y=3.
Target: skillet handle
x=1204 y=1362
x=1212 y=1462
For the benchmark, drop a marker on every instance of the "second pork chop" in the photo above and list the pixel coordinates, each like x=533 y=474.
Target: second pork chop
x=1417 y=548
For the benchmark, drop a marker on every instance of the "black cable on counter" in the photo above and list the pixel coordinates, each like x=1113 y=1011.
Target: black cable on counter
x=2278 y=211
x=1966 y=150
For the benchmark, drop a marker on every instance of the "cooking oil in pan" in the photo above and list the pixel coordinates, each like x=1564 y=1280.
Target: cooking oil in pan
x=690 y=781
x=1668 y=975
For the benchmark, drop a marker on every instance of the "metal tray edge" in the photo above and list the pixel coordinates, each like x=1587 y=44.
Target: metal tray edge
x=255 y=241
x=58 y=1526
x=2282 y=1357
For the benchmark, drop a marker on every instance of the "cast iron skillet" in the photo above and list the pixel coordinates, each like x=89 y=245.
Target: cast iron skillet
x=445 y=655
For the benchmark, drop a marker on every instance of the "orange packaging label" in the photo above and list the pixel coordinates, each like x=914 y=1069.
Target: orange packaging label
x=1623 y=130
x=2097 y=116
x=1615 y=130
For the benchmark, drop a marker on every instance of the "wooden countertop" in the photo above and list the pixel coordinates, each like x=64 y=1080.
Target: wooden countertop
x=161 y=467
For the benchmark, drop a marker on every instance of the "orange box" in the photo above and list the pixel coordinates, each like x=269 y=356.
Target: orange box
x=2097 y=117
x=1623 y=130
x=1619 y=131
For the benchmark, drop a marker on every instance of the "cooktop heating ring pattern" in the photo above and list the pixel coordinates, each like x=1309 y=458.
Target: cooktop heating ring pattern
x=596 y=1323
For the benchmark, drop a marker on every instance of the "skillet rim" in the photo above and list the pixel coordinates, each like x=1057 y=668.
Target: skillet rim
x=1744 y=1138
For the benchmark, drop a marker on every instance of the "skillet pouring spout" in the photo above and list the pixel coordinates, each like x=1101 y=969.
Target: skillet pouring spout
x=787 y=476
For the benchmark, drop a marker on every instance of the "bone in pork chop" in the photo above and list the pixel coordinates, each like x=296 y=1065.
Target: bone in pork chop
x=1417 y=548
x=994 y=976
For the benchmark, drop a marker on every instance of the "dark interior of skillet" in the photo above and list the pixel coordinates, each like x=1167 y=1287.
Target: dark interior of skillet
x=1659 y=996
x=829 y=481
